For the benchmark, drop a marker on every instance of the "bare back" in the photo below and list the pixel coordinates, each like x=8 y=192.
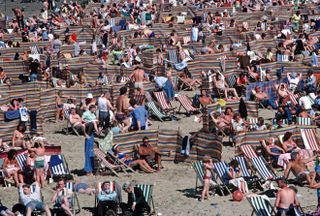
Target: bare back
x=285 y=197
x=138 y=75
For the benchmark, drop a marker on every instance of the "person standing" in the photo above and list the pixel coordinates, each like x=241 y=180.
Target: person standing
x=88 y=150
x=33 y=69
x=139 y=116
x=104 y=106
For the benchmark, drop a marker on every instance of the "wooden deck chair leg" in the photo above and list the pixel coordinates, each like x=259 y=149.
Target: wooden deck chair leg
x=153 y=208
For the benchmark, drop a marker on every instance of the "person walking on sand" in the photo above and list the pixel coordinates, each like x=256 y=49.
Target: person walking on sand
x=207 y=167
x=39 y=162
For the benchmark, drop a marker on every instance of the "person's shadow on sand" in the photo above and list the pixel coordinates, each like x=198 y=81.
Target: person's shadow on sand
x=78 y=172
x=189 y=192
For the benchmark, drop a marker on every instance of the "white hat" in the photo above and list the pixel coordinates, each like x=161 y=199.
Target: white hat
x=89 y=95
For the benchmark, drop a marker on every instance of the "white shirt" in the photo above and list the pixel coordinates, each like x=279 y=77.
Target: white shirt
x=102 y=104
x=305 y=102
x=33 y=196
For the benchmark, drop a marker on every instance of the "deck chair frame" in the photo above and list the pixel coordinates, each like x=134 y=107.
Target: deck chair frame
x=186 y=103
x=147 y=190
x=261 y=206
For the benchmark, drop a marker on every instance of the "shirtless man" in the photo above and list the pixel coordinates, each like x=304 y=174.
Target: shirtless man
x=286 y=197
x=263 y=98
x=298 y=167
x=219 y=82
x=138 y=76
x=122 y=108
x=148 y=153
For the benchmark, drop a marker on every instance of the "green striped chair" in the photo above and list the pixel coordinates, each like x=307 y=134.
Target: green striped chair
x=198 y=168
x=153 y=109
x=147 y=190
x=304 y=121
x=261 y=205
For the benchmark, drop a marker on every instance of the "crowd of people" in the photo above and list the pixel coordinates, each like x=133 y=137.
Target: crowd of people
x=245 y=71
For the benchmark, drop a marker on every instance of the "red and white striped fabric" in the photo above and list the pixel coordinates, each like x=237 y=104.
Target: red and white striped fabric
x=293 y=98
x=309 y=139
x=161 y=98
x=248 y=151
x=186 y=103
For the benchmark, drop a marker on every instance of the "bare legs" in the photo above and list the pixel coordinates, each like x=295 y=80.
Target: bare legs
x=144 y=166
x=205 y=191
x=40 y=176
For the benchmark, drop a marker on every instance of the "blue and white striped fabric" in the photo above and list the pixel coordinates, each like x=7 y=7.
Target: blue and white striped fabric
x=57 y=165
x=34 y=50
x=304 y=121
x=243 y=165
x=261 y=205
x=22 y=161
x=282 y=58
x=220 y=168
x=260 y=164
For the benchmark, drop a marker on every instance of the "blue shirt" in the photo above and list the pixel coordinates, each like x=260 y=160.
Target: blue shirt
x=103 y=196
x=139 y=114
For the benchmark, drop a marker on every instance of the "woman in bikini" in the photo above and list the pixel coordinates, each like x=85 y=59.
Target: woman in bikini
x=287 y=143
x=39 y=150
x=18 y=136
x=207 y=167
x=11 y=167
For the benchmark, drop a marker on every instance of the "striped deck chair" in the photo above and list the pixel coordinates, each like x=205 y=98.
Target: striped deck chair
x=310 y=139
x=3 y=177
x=34 y=49
x=198 y=168
x=248 y=151
x=263 y=168
x=162 y=100
x=153 y=110
x=186 y=103
x=231 y=80
x=220 y=169
x=261 y=205
x=58 y=167
x=253 y=122
x=22 y=160
x=172 y=56
x=104 y=164
x=243 y=165
x=140 y=98
x=147 y=190
x=282 y=58
x=75 y=205
x=304 y=121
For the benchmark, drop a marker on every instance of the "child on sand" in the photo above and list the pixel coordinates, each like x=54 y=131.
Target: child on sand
x=207 y=166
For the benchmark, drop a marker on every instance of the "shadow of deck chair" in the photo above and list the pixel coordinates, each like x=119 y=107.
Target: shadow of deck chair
x=163 y=102
x=147 y=190
x=73 y=201
x=198 y=168
x=309 y=139
x=186 y=103
x=261 y=205
x=105 y=165
x=58 y=167
x=154 y=111
x=220 y=169
x=263 y=168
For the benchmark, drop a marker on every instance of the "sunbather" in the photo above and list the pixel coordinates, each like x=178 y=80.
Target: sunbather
x=130 y=161
x=207 y=167
x=62 y=197
x=39 y=162
x=298 y=166
x=107 y=199
x=11 y=167
x=220 y=84
x=233 y=175
x=287 y=143
x=18 y=137
x=76 y=121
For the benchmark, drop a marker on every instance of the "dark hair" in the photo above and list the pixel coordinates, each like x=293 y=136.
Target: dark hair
x=133 y=102
x=234 y=163
x=145 y=138
x=123 y=90
x=286 y=136
x=228 y=108
x=11 y=154
x=14 y=99
x=92 y=106
x=21 y=127
x=26 y=186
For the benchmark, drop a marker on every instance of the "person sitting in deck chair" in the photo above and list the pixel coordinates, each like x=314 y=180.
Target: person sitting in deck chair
x=263 y=98
x=298 y=166
x=150 y=154
x=136 y=201
x=221 y=85
x=32 y=200
x=193 y=83
x=63 y=197
x=107 y=199
x=76 y=121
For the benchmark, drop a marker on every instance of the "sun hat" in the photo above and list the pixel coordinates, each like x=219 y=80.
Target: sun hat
x=89 y=95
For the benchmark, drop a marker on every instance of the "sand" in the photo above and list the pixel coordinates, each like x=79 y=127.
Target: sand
x=174 y=192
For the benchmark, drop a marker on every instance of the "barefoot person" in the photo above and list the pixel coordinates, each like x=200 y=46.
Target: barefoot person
x=39 y=162
x=138 y=76
x=207 y=167
x=88 y=150
x=149 y=153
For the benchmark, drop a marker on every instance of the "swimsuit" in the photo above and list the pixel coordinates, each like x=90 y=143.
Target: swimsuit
x=39 y=162
x=206 y=177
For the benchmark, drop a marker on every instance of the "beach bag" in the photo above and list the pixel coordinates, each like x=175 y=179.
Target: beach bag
x=12 y=115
